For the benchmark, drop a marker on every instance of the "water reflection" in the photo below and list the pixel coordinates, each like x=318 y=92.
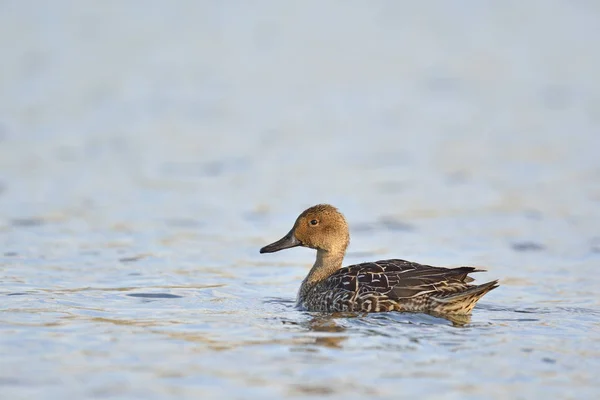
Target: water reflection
x=327 y=324
x=332 y=330
x=457 y=320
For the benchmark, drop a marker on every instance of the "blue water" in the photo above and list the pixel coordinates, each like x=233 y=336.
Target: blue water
x=148 y=150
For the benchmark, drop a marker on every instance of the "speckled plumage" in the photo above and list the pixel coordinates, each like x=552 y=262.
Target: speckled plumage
x=386 y=285
x=395 y=285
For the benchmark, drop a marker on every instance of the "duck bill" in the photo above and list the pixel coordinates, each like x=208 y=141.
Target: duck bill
x=286 y=242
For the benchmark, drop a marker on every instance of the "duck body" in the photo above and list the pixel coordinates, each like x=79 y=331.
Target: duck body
x=394 y=285
x=385 y=285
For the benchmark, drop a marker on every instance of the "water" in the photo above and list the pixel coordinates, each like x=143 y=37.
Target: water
x=147 y=151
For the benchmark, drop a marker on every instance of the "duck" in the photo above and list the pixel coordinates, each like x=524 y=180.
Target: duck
x=378 y=286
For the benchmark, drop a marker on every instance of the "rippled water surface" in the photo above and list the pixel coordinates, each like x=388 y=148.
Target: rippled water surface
x=148 y=150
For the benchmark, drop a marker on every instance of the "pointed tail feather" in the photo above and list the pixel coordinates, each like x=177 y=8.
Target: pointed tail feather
x=463 y=302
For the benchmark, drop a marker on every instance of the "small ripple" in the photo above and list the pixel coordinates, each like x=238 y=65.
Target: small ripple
x=541 y=310
x=133 y=258
x=278 y=300
x=516 y=319
x=394 y=224
x=155 y=295
x=528 y=246
x=128 y=288
x=530 y=311
x=27 y=222
x=5 y=381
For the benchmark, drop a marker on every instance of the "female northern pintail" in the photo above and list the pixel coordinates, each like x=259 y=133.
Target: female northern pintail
x=386 y=285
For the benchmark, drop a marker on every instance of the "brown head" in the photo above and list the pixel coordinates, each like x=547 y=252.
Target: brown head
x=321 y=227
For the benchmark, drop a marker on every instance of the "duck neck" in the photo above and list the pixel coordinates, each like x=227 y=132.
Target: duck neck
x=326 y=264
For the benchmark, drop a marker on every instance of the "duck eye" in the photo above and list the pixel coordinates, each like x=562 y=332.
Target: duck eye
x=314 y=222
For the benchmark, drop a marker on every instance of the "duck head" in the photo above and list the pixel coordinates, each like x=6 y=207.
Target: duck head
x=321 y=227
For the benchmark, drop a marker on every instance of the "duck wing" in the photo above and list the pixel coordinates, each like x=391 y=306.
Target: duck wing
x=400 y=279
